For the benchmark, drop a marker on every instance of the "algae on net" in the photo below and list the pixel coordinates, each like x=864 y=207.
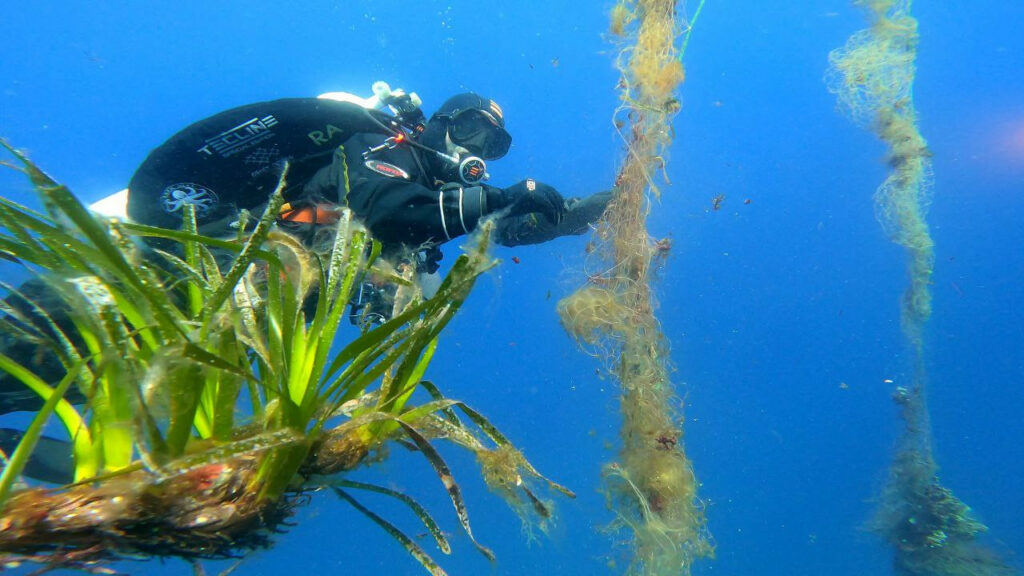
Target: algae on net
x=930 y=530
x=652 y=488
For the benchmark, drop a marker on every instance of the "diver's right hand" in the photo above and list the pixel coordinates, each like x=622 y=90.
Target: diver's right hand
x=530 y=196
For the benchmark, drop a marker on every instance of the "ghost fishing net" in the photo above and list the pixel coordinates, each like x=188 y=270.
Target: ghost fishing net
x=652 y=488
x=931 y=531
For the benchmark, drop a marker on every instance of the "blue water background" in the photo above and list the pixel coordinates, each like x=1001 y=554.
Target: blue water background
x=782 y=313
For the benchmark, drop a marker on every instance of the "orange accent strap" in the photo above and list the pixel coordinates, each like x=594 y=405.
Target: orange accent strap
x=315 y=214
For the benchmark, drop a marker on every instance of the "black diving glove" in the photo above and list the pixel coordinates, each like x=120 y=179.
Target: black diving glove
x=583 y=213
x=581 y=216
x=530 y=196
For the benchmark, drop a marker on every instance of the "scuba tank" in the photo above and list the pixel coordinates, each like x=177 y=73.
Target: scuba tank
x=232 y=160
x=404 y=107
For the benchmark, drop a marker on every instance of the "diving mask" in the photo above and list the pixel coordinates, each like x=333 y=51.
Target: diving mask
x=478 y=130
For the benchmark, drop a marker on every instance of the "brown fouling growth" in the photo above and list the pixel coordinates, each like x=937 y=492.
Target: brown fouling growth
x=652 y=487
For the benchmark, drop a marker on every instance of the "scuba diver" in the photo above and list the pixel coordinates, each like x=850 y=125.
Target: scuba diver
x=416 y=183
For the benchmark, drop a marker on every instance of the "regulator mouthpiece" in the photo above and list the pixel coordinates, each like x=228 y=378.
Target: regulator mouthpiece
x=472 y=170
